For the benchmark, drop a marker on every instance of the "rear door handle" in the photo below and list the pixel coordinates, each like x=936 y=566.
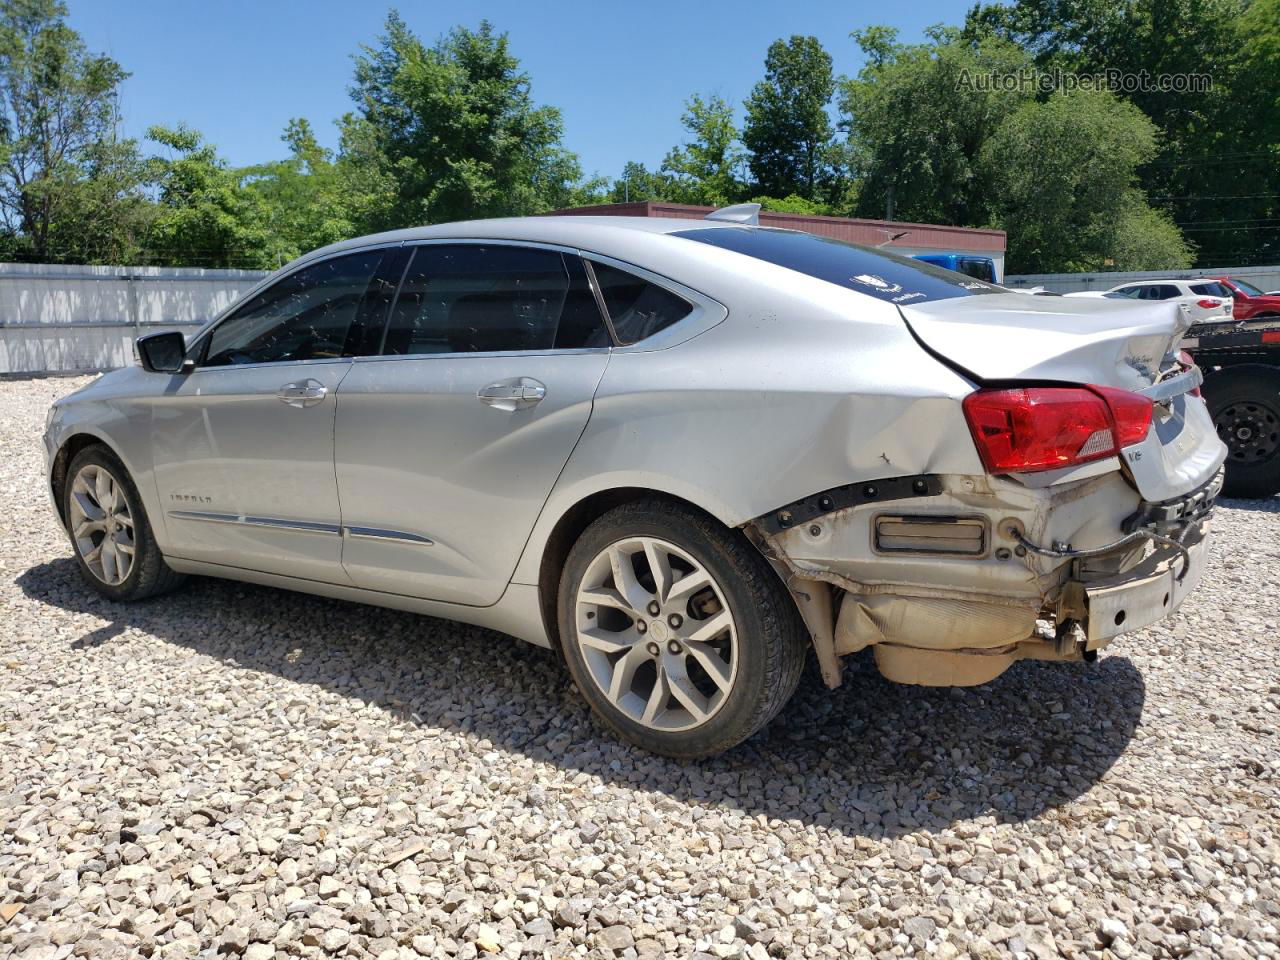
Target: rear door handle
x=302 y=393
x=518 y=393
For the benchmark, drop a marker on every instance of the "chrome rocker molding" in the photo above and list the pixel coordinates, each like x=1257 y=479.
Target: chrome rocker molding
x=304 y=526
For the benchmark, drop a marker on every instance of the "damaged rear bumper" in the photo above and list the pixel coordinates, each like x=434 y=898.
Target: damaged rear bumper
x=957 y=621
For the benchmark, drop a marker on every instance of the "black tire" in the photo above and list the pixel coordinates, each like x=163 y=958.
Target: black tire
x=771 y=639
x=149 y=574
x=1245 y=405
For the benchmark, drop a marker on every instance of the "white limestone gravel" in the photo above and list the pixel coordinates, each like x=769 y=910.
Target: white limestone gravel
x=233 y=770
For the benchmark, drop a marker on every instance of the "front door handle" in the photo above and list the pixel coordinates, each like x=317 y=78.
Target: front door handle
x=302 y=393
x=518 y=393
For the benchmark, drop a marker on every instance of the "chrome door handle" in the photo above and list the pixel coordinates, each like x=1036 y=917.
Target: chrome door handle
x=518 y=393
x=302 y=393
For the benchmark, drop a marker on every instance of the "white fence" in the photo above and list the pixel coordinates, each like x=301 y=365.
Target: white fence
x=1265 y=278
x=72 y=319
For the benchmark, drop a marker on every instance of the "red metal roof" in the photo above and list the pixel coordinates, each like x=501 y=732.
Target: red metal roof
x=924 y=236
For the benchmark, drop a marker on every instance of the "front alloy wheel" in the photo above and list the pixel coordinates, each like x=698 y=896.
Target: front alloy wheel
x=101 y=524
x=656 y=635
x=115 y=549
x=678 y=633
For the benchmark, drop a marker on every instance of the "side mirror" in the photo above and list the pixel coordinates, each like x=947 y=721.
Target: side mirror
x=164 y=352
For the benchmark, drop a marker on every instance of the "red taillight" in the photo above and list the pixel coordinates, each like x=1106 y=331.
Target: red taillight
x=1272 y=336
x=1042 y=428
x=1208 y=304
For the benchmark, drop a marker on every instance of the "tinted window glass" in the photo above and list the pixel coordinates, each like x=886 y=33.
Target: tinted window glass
x=637 y=308
x=978 y=268
x=1248 y=289
x=876 y=273
x=467 y=299
x=1167 y=291
x=1131 y=293
x=309 y=315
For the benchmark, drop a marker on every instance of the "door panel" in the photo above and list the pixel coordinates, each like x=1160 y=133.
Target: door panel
x=245 y=475
x=440 y=486
x=244 y=444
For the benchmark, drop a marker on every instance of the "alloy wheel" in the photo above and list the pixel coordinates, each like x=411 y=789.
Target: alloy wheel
x=101 y=524
x=656 y=633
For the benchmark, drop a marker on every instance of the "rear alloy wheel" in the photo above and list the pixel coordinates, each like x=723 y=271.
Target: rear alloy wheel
x=676 y=631
x=1245 y=406
x=115 y=550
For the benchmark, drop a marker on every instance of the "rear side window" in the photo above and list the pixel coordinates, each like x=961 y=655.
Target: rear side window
x=1167 y=291
x=1210 y=290
x=877 y=273
x=487 y=299
x=637 y=308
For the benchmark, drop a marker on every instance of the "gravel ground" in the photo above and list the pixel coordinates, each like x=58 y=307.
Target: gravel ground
x=237 y=770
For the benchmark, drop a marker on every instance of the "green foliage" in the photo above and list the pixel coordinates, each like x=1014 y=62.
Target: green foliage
x=1211 y=142
x=1074 y=207
x=69 y=189
x=704 y=170
x=638 y=183
x=791 y=204
x=787 y=131
x=303 y=199
x=449 y=132
x=917 y=124
x=205 y=215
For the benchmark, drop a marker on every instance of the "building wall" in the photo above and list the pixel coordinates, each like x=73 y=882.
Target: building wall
x=68 y=319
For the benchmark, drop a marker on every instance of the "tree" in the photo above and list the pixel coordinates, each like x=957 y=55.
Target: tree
x=68 y=186
x=450 y=132
x=1073 y=206
x=787 y=131
x=304 y=200
x=1209 y=139
x=638 y=182
x=917 y=118
x=704 y=170
x=206 y=215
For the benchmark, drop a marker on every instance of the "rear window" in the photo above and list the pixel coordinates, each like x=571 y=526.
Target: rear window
x=885 y=276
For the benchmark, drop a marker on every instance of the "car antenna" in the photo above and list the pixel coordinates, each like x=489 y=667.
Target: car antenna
x=748 y=213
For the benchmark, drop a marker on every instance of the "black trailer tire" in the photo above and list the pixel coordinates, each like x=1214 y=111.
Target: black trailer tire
x=1244 y=402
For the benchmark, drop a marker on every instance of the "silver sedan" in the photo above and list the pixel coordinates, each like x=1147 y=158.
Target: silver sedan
x=687 y=454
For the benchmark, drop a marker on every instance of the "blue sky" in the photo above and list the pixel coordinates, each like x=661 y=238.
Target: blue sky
x=237 y=71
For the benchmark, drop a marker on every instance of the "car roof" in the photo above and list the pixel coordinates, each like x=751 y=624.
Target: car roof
x=563 y=230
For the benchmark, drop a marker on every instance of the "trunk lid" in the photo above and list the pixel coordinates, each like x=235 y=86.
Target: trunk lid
x=1077 y=340
x=1070 y=339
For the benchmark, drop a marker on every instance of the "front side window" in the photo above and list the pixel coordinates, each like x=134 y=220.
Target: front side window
x=469 y=298
x=309 y=315
x=637 y=308
x=1130 y=293
x=875 y=272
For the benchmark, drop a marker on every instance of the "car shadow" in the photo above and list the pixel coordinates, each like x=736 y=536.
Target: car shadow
x=870 y=758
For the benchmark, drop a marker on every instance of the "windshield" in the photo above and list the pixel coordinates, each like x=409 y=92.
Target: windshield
x=1248 y=288
x=877 y=273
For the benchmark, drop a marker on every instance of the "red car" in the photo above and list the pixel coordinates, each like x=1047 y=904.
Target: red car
x=1250 y=302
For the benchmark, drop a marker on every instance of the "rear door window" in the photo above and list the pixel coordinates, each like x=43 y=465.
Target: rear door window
x=473 y=298
x=978 y=268
x=875 y=272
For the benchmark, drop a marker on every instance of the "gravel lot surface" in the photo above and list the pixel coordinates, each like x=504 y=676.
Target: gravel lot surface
x=241 y=771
